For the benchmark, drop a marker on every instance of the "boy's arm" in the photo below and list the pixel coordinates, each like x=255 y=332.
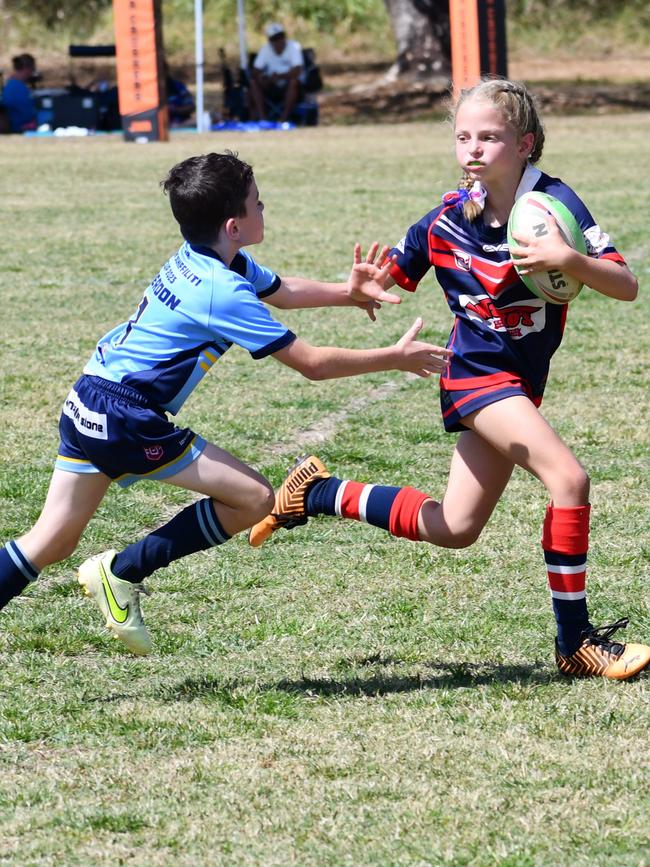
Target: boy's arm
x=365 y=287
x=333 y=362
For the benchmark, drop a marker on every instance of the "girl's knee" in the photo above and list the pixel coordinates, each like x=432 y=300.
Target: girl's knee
x=572 y=487
x=464 y=538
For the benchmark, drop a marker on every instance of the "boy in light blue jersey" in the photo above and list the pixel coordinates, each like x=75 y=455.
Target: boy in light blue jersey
x=114 y=424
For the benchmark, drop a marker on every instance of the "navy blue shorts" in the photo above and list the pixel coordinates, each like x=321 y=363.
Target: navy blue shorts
x=106 y=427
x=457 y=401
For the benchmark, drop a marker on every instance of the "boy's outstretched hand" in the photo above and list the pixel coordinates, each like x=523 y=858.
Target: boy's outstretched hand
x=418 y=357
x=367 y=280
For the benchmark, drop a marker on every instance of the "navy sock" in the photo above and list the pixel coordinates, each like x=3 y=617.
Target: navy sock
x=321 y=497
x=16 y=572
x=196 y=528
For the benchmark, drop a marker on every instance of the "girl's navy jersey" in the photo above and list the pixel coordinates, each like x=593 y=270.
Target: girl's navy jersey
x=502 y=331
x=190 y=314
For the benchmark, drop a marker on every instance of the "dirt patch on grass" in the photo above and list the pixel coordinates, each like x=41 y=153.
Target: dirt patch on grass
x=365 y=94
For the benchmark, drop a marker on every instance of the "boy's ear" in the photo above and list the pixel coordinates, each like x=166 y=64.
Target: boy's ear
x=231 y=229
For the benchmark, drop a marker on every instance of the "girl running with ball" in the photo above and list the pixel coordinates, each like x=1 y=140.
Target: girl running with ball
x=502 y=339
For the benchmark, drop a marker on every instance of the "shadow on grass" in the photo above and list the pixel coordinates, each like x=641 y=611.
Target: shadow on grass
x=448 y=676
x=463 y=675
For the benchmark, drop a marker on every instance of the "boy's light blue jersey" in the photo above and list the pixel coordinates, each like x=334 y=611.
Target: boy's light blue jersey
x=191 y=313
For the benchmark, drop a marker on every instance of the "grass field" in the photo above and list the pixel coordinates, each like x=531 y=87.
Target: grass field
x=336 y=697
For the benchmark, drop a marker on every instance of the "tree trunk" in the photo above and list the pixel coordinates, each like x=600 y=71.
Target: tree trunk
x=423 y=40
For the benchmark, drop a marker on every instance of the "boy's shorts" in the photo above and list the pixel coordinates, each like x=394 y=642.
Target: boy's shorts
x=106 y=427
x=457 y=402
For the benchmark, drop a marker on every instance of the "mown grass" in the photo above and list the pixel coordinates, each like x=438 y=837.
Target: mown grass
x=336 y=697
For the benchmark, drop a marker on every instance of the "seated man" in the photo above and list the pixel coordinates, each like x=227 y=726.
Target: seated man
x=180 y=102
x=276 y=76
x=17 y=97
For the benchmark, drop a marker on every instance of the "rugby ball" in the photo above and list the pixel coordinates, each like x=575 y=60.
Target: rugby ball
x=529 y=216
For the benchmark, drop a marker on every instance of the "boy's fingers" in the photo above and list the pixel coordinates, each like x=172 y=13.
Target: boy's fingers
x=372 y=252
x=357 y=254
x=382 y=257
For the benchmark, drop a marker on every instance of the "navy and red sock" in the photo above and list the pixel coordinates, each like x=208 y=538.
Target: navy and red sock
x=565 y=541
x=390 y=508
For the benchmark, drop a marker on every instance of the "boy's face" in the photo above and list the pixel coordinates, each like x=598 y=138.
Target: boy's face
x=251 y=227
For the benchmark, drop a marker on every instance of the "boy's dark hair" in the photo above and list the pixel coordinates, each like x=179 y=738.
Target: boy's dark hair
x=205 y=191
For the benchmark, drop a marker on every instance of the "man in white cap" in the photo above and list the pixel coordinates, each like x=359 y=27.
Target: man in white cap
x=276 y=75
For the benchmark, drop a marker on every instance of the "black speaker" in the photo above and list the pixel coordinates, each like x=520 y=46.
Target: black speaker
x=68 y=110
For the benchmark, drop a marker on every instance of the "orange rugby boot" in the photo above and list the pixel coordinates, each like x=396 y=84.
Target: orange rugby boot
x=599 y=656
x=289 y=508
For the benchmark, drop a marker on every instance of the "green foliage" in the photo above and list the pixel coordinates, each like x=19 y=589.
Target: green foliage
x=80 y=15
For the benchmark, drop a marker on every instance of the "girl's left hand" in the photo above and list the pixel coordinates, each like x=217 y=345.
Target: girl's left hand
x=541 y=252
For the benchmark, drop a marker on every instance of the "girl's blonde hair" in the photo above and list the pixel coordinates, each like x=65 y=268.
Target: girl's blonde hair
x=518 y=109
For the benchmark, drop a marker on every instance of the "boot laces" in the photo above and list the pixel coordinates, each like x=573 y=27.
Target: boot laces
x=138 y=591
x=601 y=636
x=288 y=522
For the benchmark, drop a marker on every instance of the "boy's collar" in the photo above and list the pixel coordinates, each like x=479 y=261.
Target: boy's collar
x=206 y=251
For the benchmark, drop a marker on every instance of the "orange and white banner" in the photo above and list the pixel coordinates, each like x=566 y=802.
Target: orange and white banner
x=140 y=84
x=478 y=41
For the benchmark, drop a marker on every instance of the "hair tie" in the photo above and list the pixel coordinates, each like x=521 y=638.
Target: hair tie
x=458 y=197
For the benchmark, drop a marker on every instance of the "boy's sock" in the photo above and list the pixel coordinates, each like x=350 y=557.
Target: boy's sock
x=16 y=572
x=196 y=528
x=393 y=509
x=565 y=541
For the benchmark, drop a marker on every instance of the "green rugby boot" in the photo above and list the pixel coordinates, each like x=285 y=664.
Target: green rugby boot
x=118 y=600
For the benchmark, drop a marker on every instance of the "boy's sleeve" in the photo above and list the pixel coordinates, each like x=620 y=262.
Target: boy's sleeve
x=412 y=256
x=263 y=280
x=240 y=317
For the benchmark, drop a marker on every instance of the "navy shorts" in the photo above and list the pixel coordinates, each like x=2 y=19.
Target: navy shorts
x=457 y=401
x=106 y=427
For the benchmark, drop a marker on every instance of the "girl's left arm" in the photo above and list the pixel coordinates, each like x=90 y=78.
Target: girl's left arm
x=606 y=276
x=546 y=252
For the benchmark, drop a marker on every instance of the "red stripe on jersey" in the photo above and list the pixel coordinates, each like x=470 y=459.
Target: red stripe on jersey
x=567 y=583
x=403 y=520
x=494 y=277
x=350 y=500
x=615 y=257
x=401 y=279
x=566 y=530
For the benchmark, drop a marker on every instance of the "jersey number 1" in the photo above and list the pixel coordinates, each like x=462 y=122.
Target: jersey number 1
x=131 y=322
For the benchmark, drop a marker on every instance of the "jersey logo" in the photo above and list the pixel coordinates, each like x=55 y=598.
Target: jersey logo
x=154 y=453
x=517 y=320
x=463 y=260
x=495 y=248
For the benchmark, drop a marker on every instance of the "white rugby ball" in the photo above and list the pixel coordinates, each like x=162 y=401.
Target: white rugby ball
x=529 y=216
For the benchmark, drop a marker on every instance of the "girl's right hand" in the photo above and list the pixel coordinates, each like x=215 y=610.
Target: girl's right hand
x=421 y=358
